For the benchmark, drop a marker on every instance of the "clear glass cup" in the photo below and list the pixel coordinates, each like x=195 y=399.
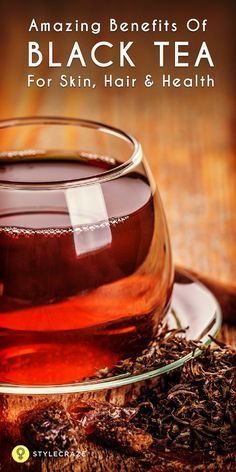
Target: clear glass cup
x=86 y=273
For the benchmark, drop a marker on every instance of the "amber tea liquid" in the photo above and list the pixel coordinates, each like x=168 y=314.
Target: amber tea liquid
x=78 y=291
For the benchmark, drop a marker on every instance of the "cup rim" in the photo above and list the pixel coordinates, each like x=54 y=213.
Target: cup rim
x=121 y=169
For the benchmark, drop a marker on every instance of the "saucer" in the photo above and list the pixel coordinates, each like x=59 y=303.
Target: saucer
x=193 y=307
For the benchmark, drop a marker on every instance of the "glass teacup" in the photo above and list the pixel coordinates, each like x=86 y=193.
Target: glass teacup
x=85 y=263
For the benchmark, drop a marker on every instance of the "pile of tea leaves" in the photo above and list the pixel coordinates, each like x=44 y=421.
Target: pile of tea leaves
x=169 y=345
x=186 y=416
x=193 y=409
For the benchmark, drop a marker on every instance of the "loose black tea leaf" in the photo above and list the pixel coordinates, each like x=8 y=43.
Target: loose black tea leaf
x=122 y=435
x=112 y=425
x=49 y=428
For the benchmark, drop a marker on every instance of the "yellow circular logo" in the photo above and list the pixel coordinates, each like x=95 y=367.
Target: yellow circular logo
x=20 y=453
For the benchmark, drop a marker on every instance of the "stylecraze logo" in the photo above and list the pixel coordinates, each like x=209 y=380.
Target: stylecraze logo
x=20 y=453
